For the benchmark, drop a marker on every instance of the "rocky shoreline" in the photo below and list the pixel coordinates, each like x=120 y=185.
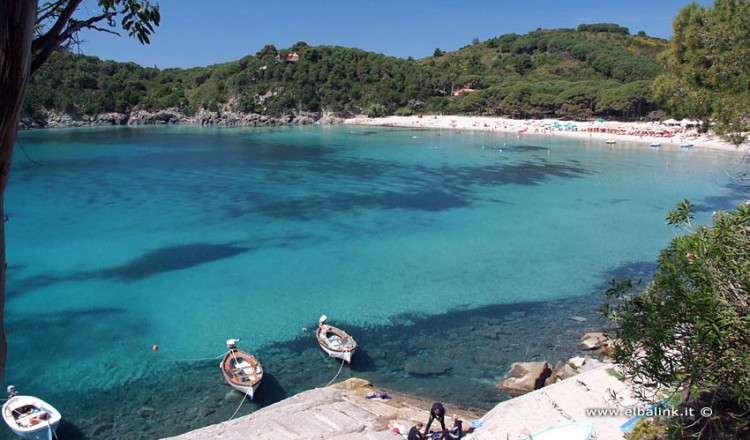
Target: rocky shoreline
x=524 y=377
x=174 y=116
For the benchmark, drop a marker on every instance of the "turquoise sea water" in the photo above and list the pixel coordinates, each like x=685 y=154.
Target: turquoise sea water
x=447 y=255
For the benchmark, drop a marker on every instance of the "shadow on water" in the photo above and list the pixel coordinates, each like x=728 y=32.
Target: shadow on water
x=524 y=149
x=162 y=260
x=365 y=363
x=456 y=357
x=635 y=270
x=169 y=259
x=737 y=194
x=271 y=392
x=68 y=431
x=425 y=189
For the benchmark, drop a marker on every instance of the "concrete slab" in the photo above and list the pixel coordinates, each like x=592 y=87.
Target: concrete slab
x=341 y=412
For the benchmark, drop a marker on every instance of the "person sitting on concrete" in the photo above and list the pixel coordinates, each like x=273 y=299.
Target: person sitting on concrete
x=455 y=432
x=415 y=433
x=436 y=412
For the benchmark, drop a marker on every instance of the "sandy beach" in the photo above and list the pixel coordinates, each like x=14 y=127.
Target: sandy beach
x=608 y=132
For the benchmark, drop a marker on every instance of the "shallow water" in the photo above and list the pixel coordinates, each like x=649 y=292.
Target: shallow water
x=448 y=256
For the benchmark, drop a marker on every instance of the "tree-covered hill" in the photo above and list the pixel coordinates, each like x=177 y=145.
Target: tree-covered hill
x=595 y=70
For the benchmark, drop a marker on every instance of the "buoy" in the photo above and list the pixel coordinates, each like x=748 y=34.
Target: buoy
x=155 y=348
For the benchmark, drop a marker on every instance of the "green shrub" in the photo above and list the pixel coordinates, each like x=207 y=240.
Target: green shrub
x=375 y=110
x=648 y=429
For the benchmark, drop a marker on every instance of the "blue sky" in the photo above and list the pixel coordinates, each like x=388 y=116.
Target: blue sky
x=201 y=33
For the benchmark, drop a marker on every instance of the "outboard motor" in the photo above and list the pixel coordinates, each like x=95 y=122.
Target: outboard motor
x=232 y=343
x=11 y=391
x=322 y=319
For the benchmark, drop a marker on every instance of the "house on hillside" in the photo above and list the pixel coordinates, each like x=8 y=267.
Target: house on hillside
x=292 y=57
x=462 y=91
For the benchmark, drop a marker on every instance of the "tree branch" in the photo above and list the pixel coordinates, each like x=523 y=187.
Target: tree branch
x=74 y=26
x=43 y=46
x=48 y=11
x=52 y=36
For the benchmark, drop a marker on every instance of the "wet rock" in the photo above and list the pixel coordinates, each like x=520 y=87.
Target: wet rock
x=524 y=377
x=489 y=332
x=146 y=411
x=109 y=119
x=577 y=362
x=225 y=117
x=590 y=364
x=101 y=429
x=593 y=341
x=561 y=371
x=377 y=353
x=353 y=384
x=427 y=365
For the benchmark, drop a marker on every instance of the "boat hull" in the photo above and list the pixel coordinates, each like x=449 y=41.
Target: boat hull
x=343 y=355
x=242 y=371
x=247 y=390
x=570 y=431
x=336 y=342
x=30 y=417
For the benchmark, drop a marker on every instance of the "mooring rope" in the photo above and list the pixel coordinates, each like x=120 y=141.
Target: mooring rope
x=238 y=408
x=202 y=359
x=337 y=374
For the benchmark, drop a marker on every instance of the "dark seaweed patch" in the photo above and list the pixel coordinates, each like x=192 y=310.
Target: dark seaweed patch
x=152 y=263
x=169 y=259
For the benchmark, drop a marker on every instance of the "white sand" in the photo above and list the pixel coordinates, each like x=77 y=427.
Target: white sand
x=641 y=132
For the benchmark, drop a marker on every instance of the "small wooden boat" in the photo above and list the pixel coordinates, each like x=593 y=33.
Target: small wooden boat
x=30 y=417
x=334 y=341
x=241 y=370
x=569 y=431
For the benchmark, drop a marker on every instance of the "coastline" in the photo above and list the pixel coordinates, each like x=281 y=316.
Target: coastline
x=342 y=411
x=431 y=133
x=609 y=132
x=638 y=132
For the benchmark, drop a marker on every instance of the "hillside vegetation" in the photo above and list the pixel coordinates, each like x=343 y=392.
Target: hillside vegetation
x=592 y=71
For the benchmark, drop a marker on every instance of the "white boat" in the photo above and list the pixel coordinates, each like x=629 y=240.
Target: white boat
x=334 y=341
x=30 y=417
x=241 y=370
x=655 y=144
x=685 y=144
x=569 y=431
x=610 y=142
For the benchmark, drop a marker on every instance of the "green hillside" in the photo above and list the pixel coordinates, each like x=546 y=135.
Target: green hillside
x=595 y=70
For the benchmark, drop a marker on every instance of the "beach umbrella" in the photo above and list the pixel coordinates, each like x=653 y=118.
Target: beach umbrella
x=601 y=120
x=671 y=121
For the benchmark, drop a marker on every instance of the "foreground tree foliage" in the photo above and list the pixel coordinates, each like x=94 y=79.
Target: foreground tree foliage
x=29 y=34
x=708 y=67
x=688 y=332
